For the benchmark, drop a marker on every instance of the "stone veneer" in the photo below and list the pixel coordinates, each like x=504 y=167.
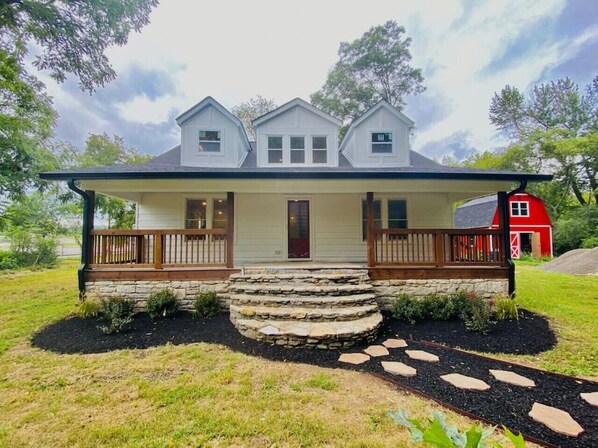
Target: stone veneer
x=388 y=290
x=139 y=290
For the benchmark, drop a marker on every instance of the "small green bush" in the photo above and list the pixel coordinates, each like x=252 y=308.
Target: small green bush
x=590 y=242
x=505 y=308
x=477 y=318
x=206 y=304
x=162 y=303
x=8 y=261
x=116 y=313
x=90 y=307
x=408 y=309
x=439 y=307
x=462 y=302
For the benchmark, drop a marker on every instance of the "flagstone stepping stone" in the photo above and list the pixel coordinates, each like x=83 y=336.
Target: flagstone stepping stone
x=465 y=382
x=556 y=419
x=512 y=378
x=354 y=358
x=591 y=397
x=422 y=355
x=377 y=350
x=398 y=368
x=394 y=343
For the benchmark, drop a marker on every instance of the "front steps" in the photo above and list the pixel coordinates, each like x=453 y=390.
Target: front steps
x=321 y=308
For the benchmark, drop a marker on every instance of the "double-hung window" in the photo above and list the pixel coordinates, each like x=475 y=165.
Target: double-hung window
x=381 y=142
x=275 y=149
x=388 y=213
x=319 y=145
x=298 y=149
x=209 y=140
x=519 y=208
x=206 y=213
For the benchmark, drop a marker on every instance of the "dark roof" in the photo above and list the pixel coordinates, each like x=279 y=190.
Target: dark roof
x=477 y=213
x=167 y=166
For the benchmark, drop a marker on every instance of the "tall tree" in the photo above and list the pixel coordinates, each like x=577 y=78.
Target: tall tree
x=557 y=125
x=376 y=66
x=252 y=109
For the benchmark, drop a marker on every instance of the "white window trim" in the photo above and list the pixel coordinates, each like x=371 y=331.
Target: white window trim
x=311 y=144
x=268 y=149
x=518 y=204
x=305 y=151
x=220 y=152
x=308 y=148
x=392 y=144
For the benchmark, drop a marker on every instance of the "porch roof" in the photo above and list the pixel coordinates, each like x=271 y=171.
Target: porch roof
x=167 y=166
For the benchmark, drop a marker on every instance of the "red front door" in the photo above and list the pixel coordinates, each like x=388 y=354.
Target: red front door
x=298 y=228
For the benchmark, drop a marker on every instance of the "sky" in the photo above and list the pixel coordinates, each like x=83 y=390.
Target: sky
x=235 y=50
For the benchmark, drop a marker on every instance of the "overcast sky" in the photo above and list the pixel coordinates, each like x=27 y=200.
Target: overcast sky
x=234 y=50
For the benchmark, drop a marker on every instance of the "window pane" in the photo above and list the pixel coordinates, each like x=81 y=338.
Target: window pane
x=377 y=217
x=275 y=156
x=196 y=214
x=319 y=143
x=320 y=156
x=297 y=142
x=209 y=135
x=220 y=218
x=381 y=137
x=397 y=209
x=381 y=148
x=297 y=156
x=274 y=142
x=209 y=146
x=523 y=209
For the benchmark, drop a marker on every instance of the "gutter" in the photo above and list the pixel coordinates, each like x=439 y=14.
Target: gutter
x=88 y=210
x=507 y=232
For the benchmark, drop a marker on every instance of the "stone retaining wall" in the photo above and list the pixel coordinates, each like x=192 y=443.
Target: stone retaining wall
x=139 y=290
x=388 y=290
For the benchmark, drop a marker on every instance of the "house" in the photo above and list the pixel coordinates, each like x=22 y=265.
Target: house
x=303 y=238
x=529 y=223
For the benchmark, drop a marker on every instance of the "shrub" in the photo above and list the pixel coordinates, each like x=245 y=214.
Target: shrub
x=439 y=307
x=116 y=313
x=90 y=307
x=408 y=309
x=590 y=242
x=206 y=304
x=461 y=302
x=505 y=308
x=477 y=318
x=162 y=303
x=8 y=261
x=45 y=251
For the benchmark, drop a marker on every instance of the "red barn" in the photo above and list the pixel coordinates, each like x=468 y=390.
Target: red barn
x=530 y=225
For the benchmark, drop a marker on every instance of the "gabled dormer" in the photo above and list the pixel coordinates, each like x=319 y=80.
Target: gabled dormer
x=380 y=137
x=212 y=136
x=297 y=134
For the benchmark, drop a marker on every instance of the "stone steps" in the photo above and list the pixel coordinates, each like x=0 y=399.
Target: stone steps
x=320 y=289
x=324 y=335
x=303 y=301
x=302 y=278
x=300 y=314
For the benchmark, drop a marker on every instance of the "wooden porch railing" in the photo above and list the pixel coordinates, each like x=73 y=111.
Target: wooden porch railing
x=160 y=248
x=436 y=247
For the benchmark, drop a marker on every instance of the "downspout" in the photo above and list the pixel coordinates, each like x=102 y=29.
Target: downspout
x=507 y=234
x=88 y=206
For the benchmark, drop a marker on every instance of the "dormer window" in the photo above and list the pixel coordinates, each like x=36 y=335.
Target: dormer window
x=519 y=208
x=297 y=149
x=319 y=146
x=209 y=140
x=381 y=142
x=274 y=149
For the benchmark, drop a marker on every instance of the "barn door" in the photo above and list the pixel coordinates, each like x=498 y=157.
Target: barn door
x=515 y=246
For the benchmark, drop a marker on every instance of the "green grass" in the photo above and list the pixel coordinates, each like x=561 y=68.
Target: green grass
x=208 y=395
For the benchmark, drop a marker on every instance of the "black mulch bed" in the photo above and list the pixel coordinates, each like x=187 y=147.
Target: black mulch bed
x=502 y=404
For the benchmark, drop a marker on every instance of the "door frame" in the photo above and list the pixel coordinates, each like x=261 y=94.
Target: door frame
x=310 y=200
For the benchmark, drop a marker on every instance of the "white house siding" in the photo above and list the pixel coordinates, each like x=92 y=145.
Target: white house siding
x=232 y=148
x=261 y=221
x=358 y=150
x=297 y=122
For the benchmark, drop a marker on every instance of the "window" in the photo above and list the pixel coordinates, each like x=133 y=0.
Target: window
x=519 y=208
x=297 y=149
x=397 y=214
x=209 y=141
x=364 y=217
x=319 y=147
x=275 y=149
x=220 y=218
x=381 y=142
x=196 y=215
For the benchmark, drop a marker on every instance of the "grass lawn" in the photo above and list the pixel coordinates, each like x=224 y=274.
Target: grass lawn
x=208 y=395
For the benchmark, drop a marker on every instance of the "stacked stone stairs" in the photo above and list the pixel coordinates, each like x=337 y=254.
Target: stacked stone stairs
x=319 y=308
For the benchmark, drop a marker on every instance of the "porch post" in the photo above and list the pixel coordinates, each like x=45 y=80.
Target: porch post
x=230 y=229
x=504 y=225
x=370 y=228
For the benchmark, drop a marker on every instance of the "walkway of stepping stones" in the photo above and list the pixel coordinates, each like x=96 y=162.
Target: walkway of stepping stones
x=464 y=380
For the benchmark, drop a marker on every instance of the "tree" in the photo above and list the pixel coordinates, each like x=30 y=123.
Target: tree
x=376 y=66
x=70 y=37
x=252 y=109
x=557 y=125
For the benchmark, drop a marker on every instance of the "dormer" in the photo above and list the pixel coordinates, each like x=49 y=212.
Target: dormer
x=380 y=137
x=212 y=136
x=297 y=134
